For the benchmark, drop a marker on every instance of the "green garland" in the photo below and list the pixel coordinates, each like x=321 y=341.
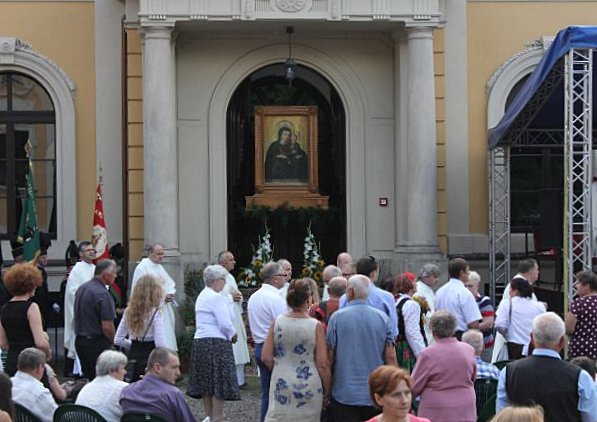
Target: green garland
x=287 y=214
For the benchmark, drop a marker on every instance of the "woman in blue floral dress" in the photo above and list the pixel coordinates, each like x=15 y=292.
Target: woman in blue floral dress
x=296 y=350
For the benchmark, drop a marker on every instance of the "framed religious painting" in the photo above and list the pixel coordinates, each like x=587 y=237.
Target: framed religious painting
x=286 y=157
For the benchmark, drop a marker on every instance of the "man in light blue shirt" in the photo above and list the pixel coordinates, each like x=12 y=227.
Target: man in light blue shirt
x=378 y=298
x=359 y=339
x=566 y=392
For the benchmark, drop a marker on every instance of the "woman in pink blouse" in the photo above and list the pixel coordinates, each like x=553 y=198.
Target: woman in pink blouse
x=444 y=375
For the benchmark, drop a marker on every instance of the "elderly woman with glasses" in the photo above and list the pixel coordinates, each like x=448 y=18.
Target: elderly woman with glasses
x=213 y=371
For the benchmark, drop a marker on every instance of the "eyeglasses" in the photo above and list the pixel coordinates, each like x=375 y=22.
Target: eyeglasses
x=346 y=275
x=280 y=275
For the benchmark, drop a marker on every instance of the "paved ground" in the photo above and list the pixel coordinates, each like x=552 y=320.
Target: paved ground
x=245 y=410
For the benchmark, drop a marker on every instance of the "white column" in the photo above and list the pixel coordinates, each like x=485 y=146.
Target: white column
x=159 y=139
x=418 y=242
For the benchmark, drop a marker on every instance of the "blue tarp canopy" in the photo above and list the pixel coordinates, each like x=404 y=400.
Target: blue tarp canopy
x=571 y=37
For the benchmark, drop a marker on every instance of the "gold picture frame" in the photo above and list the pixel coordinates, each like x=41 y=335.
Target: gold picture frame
x=286 y=157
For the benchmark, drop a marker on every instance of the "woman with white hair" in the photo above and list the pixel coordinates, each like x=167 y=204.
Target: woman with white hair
x=213 y=371
x=103 y=393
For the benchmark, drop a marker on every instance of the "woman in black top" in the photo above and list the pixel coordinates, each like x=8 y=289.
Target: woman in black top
x=20 y=318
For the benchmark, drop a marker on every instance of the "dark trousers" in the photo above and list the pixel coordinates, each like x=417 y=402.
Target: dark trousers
x=265 y=376
x=88 y=350
x=515 y=350
x=346 y=413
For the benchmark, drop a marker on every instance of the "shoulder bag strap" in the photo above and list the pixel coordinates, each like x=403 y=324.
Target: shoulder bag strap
x=149 y=325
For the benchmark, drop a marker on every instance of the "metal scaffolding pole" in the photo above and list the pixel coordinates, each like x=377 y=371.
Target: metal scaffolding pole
x=578 y=103
x=499 y=220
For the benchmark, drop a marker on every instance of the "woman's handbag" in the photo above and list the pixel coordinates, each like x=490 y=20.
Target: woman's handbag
x=138 y=355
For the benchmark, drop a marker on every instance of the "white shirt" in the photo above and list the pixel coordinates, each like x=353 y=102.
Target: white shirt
x=506 y=294
x=145 y=267
x=31 y=394
x=284 y=291
x=263 y=308
x=213 y=316
x=459 y=301
x=103 y=395
x=80 y=273
x=427 y=292
x=411 y=312
x=326 y=293
x=524 y=310
x=155 y=331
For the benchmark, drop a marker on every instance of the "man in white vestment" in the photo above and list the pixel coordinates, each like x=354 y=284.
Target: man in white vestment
x=81 y=273
x=151 y=265
x=231 y=292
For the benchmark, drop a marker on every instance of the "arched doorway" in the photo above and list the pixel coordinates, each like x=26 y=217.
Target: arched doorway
x=268 y=86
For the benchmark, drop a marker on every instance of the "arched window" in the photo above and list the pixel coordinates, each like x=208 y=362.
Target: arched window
x=27 y=114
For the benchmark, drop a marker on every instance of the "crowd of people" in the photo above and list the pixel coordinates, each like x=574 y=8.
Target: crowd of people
x=397 y=349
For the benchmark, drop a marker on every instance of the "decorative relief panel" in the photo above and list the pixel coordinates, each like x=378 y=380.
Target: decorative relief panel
x=291 y=6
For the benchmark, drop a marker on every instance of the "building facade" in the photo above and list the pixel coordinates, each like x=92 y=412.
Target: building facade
x=162 y=94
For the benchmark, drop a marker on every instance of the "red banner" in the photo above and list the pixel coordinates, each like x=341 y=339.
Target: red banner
x=99 y=236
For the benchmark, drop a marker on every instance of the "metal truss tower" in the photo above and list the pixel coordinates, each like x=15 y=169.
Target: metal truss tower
x=578 y=103
x=499 y=220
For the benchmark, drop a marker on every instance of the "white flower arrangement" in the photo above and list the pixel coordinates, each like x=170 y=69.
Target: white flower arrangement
x=251 y=275
x=313 y=263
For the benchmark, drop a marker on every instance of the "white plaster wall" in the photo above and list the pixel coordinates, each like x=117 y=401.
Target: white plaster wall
x=362 y=69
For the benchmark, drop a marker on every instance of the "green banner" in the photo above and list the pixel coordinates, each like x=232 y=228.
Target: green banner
x=28 y=233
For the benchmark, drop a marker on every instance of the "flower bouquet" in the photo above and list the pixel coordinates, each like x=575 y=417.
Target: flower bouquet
x=251 y=276
x=313 y=263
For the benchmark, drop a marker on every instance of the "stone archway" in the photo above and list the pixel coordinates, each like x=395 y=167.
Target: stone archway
x=268 y=86
x=354 y=100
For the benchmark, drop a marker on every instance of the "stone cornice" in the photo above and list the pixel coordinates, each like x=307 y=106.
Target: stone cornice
x=413 y=12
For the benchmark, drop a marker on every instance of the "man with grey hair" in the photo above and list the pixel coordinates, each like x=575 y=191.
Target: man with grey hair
x=94 y=316
x=27 y=389
x=263 y=308
x=426 y=283
x=103 y=393
x=235 y=303
x=566 y=392
x=153 y=265
x=484 y=370
x=343 y=259
x=286 y=267
x=349 y=330
x=328 y=273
